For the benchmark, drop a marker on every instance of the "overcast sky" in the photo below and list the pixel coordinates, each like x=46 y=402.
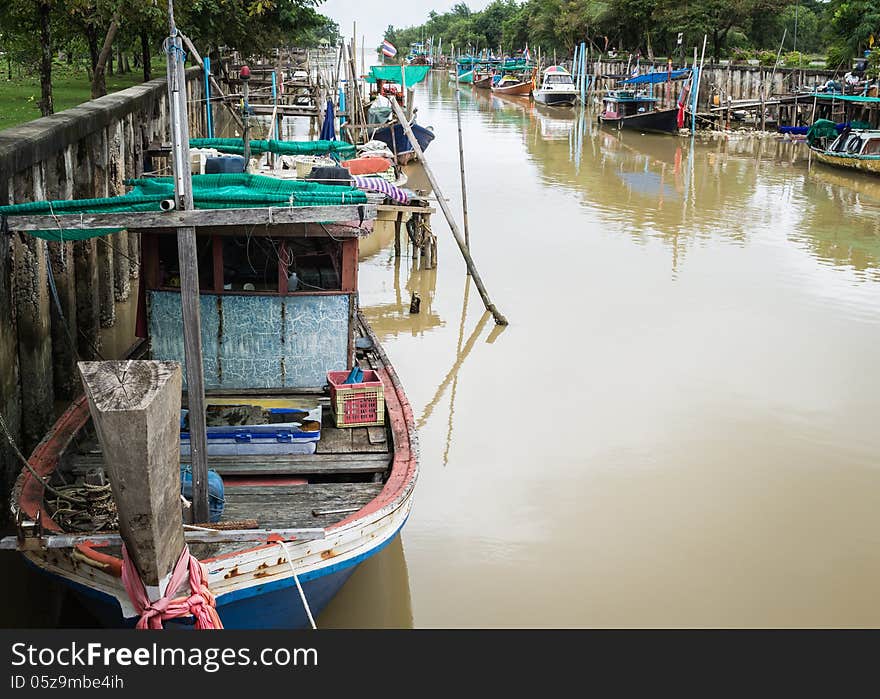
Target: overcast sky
x=373 y=16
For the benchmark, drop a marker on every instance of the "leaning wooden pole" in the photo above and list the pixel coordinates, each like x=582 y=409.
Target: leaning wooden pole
x=135 y=407
x=198 y=59
x=189 y=272
x=472 y=268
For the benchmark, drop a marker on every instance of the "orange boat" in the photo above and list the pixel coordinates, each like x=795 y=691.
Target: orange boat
x=514 y=86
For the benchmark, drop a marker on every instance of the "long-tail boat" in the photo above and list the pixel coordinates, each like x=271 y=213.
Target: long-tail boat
x=514 y=86
x=311 y=486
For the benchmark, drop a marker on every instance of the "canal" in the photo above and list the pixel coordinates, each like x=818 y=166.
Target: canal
x=678 y=428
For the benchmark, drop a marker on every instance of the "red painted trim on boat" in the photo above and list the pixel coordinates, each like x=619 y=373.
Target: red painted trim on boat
x=114 y=564
x=44 y=459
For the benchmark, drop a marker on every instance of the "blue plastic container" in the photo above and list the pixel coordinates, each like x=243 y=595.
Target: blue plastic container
x=216 y=498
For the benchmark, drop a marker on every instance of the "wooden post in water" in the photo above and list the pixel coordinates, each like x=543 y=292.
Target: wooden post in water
x=189 y=270
x=472 y=269
x=464 y=206
x=135 y=407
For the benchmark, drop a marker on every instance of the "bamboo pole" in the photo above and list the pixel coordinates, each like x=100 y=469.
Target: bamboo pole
x=472 y=269
x=464 y=206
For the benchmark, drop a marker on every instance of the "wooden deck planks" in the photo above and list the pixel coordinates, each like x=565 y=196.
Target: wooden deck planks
x=305 y=465
x=292 y=506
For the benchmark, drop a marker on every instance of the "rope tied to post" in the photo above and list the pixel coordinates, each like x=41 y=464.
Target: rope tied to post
x=200 y=604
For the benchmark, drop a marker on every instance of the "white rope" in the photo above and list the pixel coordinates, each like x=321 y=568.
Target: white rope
x=302 y=594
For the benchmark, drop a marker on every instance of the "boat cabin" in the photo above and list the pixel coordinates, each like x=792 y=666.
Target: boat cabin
x=277 y=305
x=857 y=142
x=557 y=78
x=623 y=103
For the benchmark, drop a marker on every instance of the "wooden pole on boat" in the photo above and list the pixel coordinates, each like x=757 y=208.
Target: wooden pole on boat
x=472 y=268
x=135 y=406
x=464 y=206
x=189 y=271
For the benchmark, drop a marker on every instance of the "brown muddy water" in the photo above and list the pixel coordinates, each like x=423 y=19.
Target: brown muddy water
x=678 y=428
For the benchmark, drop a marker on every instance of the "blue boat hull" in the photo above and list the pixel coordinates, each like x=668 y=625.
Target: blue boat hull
x=273 y=605
x=399 y=139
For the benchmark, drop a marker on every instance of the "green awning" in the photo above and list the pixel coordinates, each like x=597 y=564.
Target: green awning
x=846 y=98
x=414 y=74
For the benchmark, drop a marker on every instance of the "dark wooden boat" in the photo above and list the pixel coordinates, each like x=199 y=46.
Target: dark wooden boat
x=396 y=139
x=632 y=110
x=483 y=82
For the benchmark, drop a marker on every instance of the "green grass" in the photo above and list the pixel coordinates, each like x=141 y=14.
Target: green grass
x=20 y=97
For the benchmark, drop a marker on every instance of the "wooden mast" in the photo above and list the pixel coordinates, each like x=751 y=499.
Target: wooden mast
x=189 y=271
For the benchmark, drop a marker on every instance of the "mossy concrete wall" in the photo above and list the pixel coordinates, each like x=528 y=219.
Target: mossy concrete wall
x=84 y=152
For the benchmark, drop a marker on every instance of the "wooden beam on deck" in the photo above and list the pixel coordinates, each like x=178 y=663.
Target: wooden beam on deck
x=196 y=218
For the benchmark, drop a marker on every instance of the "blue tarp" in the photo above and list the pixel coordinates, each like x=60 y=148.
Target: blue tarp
x=328 y=130
x=658 y=77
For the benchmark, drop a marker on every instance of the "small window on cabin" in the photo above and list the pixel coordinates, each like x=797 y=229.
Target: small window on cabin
x=559 y=80
x=264 y=264
x=313 y=265
x=872 y=147
x=169 y=267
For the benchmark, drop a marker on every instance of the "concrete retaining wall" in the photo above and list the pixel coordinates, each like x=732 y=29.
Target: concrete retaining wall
x=86 y=151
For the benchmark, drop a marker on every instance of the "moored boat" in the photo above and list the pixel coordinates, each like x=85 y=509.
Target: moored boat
x=557 y=88
x=853 y=149
x=312 y=485
x=635 y=110
x=514 y=86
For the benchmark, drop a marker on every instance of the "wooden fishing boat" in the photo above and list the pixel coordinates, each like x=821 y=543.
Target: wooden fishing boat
x=557 y=88
x=853 y=149
x=514 y=86
x=483 y=81
x=635 y=110
x=307 y=500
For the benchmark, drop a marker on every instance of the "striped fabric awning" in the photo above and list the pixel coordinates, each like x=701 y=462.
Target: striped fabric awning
x=378 y=184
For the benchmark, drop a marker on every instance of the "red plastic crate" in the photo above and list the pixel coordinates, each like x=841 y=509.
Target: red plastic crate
x=357 y=404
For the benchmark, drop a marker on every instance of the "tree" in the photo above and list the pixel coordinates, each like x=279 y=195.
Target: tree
x=851 y=26
x=715 y=18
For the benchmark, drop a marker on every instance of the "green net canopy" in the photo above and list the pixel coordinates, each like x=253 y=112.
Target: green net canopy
x=236 y=146
x=414 y=74
x=221 y=191
x=822 y=128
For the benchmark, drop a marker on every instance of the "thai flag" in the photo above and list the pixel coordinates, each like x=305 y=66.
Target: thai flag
x=526 y=55
x=388 y=49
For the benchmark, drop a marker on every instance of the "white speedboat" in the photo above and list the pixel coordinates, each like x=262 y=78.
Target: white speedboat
x=557 y=88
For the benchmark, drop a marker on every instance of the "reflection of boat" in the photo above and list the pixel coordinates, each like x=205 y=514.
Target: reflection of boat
x=855 y=149
x=513 y=86
x=552 y=125
x=635 y=110
x=557 y=87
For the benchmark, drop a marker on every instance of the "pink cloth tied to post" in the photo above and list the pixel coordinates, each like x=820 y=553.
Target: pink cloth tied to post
x=200 y=603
